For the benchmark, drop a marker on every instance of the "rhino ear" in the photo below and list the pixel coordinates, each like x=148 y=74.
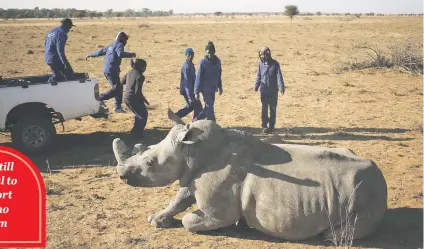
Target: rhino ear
x=139 y=148
x=174 y=118
x=190 y=135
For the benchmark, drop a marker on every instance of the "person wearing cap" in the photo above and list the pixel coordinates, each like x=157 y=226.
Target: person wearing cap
x=208 y=81
x=270 y=81
x=112 y=67
x=133 y=96
x=54 y=52
x=188 y=77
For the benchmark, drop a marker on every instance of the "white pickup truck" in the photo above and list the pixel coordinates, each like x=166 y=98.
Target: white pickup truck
x=29 y=108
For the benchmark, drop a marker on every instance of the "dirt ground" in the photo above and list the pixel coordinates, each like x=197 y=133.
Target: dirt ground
x=376 y=112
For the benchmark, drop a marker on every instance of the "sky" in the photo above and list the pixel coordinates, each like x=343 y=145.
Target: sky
x=210 y=6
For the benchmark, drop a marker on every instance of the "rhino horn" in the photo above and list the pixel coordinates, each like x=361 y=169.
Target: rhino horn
x=174 y=118
x=120 y=150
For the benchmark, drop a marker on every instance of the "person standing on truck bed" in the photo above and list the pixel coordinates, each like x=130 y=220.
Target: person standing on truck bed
x=134 y=97
x=54 y=52
x=112 y=67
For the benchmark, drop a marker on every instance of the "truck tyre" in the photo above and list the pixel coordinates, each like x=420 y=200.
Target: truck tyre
x=33 y=135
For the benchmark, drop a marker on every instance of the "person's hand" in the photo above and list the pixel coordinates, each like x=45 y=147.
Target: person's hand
x=196 y=96
x=88 y=56
x=220 y=91
x=190 y=101
x=256 y=89
x=282 y=92
x=133 y=55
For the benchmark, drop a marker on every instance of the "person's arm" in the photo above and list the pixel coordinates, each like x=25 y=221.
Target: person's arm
x=124 y=79
x=280 y=80
x=100 y=52
x=60 y=46
x=198 y=82
x=187 y=82
x=220 y=78
x=122 y=54
x=139 y=89
x=258 y=78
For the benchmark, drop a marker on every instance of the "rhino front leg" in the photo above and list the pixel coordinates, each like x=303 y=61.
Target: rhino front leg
x=198 y=221
x=164 y=218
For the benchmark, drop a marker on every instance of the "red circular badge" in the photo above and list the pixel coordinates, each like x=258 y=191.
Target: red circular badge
x=22 y=201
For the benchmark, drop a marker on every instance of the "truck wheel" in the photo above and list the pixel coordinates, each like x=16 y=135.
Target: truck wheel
x=33 y=134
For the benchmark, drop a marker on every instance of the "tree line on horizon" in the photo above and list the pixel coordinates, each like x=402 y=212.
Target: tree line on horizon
x=290 y=11
x=75 y=13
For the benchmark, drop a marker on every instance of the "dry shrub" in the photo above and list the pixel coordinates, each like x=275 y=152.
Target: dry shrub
x=348 y=220
x=347 y=18
x=53 y=188
x=418 y=126
x=142 y=25
x=405 y=56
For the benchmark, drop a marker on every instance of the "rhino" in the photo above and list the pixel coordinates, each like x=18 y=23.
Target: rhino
x=289 y=191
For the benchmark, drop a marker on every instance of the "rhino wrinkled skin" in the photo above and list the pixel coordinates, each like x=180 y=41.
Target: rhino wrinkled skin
x=293 y=192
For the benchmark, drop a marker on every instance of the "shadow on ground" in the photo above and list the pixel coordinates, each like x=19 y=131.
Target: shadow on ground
x=94 y=149
x=329 y=134
x=401 y=228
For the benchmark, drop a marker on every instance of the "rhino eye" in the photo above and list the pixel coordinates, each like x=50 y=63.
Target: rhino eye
x=149 y=162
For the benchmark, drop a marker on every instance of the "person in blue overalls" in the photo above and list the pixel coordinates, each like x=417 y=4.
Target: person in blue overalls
x=111 y=69
x=270 y=80
x=208 y=81
x=188 y=77
x=54 y=52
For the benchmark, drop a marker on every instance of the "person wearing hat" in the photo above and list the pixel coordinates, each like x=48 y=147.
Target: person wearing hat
x=208 y=81
x=188 y=77
x=133 y=96
x=112 y=67
x=270 y=81
x=54 y=52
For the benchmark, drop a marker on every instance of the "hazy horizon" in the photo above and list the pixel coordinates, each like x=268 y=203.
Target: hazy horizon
x=193 y=6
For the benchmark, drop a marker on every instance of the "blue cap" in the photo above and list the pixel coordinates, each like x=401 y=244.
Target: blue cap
x=188 y=50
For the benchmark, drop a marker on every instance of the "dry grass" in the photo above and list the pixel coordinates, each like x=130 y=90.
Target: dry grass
x=405 y=55
x=345 y=237
x=354 y=109
x=53 y=188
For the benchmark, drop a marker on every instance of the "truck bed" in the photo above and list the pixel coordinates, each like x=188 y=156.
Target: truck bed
x=34 y=80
